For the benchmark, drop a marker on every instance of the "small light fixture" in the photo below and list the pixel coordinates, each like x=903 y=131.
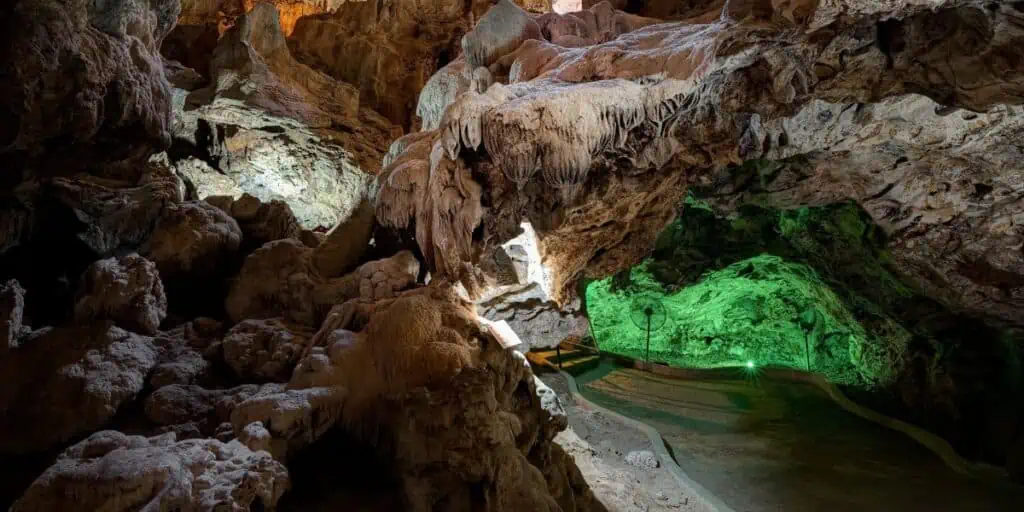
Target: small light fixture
x=750 y=365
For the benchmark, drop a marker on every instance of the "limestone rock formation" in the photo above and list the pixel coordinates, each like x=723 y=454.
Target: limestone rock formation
x=192 y=240
x=539 y=321
x=108 y=215
x=612 y=164
x=264 y=222
x=388 y=50
x=66 y=382
x=205 y=409
x=280 y=278
x=188 y=353
x=931 y=180
x=117 y=472
x=264 y=349
x=12 y=309
x=275 y=128
x=126 y=290
x=107 y=112
x=425 y=368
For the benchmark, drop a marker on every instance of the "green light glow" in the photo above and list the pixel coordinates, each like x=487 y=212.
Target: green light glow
x=761 y=309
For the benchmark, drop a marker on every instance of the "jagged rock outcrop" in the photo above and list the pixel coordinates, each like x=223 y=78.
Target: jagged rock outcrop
x=281 y=278
x=264 y=349
x=66 y=382
x=388 y=50
x=12 y=310
x=277 y=129
x=539 y=322
x=83 y=86
x=611 y=164
x=108 y=215
x=932 y=180
x=116 y=472
x=125 y=290
x=426 y=367
x=63 y=225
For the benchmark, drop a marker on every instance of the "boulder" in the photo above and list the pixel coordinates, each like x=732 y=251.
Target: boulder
x=117 y=472
x=539 y=321
x=264 y=349
x=205 y=409
x=193 y=241
x=67 y=382
x=126 y=290
x=280 y=279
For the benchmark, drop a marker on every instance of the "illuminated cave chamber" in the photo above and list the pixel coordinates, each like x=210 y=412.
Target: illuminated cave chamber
x=796 y=288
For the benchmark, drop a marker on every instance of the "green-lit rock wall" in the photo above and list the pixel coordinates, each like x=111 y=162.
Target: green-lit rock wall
x=807 y=287
x=763 y=310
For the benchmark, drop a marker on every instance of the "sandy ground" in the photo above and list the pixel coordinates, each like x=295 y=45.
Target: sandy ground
x=600 y=444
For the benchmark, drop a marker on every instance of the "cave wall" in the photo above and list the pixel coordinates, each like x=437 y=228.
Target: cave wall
x=758 y=284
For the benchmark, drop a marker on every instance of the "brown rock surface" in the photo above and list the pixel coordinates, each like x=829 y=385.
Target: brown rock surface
x=280 y=278
x=67 y=382
x=388 y=50
x=116 y=472
x=598 y=178
x=83 y=86
x=259 y=350
x=434 y=385
x=125 y=290
x=277 y=129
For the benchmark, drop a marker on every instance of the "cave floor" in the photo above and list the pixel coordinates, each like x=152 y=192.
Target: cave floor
x=771 y=445
x=600 y=443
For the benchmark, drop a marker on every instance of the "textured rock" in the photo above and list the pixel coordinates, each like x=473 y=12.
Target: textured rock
x=116 y=472
x=67 y=382
x=264 y=349
x=106 y=215
x=426 y=367
x=126 y=290
x=103 y=105
x=186 y=353
x=598 y=178
x=277 y=129
x=192 y=240
x=930 y=181
x=346 y=244
x=539 y=322
x=500 y=31
x=206 y=409
x=275 y=280
x=270 y=221
x=387 y=50
x=643 y=459
x=12 y=309
x=279 y=278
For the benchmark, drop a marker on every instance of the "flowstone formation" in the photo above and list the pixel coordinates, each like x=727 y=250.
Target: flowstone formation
x=593 y=131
